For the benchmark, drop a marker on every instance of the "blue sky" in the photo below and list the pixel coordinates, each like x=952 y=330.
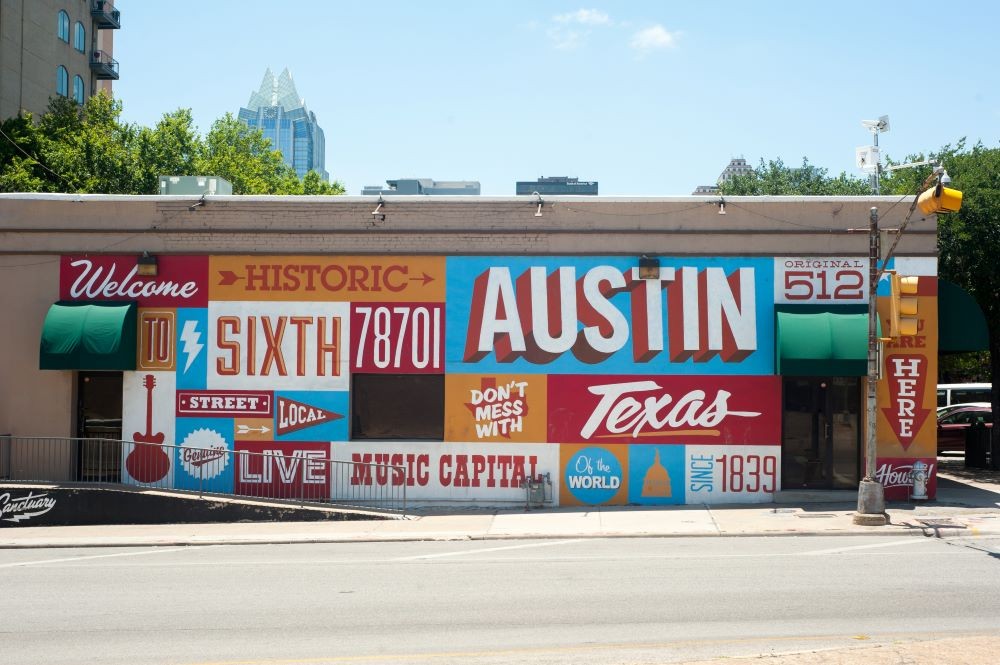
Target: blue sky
x=648 y=98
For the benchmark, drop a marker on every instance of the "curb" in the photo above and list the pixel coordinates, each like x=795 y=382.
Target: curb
x=925 y=532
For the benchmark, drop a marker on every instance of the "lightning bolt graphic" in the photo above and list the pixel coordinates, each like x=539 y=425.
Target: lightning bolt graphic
x=192 y=347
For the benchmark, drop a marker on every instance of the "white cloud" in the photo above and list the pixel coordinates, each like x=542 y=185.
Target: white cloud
x=566 y=40
x=584 y=17
x=654 y=38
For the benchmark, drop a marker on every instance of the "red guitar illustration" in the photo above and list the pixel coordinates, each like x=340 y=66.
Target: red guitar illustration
x=147 y=462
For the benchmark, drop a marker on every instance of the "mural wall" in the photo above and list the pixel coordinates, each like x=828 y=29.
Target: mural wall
x=473 y=373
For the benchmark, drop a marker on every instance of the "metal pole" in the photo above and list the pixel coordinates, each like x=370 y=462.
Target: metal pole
x=871 y=497
x=878 y=164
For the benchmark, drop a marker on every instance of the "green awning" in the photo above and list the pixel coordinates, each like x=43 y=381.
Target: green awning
x=89 y=336
x=961 y=324
x=816 y=342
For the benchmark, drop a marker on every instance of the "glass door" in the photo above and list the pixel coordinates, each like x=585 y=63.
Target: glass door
x=99 y=426
x=821 y=443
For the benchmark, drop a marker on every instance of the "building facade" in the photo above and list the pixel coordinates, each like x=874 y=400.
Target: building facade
x=624 y=351
x=55 y=47
x=556 y=185
x=424 y=187
x=277 y=110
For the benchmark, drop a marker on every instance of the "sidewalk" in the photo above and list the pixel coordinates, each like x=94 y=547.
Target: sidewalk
x=965 y=506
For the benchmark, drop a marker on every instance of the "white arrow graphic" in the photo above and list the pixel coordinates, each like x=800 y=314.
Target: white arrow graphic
x=246 y=429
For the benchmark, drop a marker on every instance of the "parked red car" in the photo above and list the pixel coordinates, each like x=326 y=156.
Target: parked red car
x=953 y=424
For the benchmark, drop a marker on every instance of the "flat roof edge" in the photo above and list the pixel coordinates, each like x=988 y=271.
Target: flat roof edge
x=424 y=199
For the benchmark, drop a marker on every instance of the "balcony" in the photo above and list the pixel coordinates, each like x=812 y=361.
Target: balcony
x=104 y=66
x=105 y=15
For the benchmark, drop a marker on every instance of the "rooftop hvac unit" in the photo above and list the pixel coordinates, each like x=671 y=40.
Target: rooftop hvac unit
x=194 y=184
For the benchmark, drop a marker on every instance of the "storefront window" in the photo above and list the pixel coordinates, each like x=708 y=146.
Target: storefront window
x=398 y=406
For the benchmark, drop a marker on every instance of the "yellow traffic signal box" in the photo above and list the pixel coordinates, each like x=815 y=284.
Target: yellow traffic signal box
x=903 y=306
x=940 y=199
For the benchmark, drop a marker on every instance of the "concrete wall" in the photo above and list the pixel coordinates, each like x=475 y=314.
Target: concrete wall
x=752 y=226
x=32 y=402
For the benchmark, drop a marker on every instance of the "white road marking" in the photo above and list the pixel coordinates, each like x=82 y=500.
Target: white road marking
x=489 y=549
x=911 y=540
x=93 y=556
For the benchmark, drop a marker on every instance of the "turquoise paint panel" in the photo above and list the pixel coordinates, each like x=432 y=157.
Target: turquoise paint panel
x=656 y=474
x=621 y=324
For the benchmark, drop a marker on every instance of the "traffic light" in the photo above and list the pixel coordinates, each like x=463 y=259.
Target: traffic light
x=903 y=306
x=940 y=199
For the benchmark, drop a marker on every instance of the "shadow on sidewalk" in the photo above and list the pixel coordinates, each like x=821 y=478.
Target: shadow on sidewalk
x=955 y=466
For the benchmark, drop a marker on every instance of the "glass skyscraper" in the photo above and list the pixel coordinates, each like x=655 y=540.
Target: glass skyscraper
x=278 y=111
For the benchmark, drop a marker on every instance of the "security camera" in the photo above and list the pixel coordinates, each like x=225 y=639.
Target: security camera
x=880 y=125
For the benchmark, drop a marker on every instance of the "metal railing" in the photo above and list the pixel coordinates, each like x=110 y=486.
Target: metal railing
x=306 y=475
x=103 y=65
x=105 y=15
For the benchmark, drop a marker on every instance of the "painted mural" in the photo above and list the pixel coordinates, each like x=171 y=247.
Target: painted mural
x=620 y=389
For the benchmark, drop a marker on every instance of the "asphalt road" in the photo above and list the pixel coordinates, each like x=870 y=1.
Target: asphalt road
x=529 y=601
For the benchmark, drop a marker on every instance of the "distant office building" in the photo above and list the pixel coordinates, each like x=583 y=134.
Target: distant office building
x=425 y=186
x=55 y=47
x=558 y=185
x=737 y=167
x=278 y=111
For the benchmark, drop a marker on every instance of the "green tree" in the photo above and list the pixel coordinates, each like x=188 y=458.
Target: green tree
x=172 y=147
x=773 y=178
x=21 y=169
x=244 y=157
x=313 y=184
x=89 y=149
x=969 y=240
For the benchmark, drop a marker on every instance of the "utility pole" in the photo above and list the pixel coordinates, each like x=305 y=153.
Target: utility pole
x=937 y=200
x=871 y=497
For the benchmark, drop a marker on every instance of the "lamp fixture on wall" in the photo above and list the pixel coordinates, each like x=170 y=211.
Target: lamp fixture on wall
x=146 y=265
x=649 y=268
x=377 y=214
x=540 y=202
x=722 y=206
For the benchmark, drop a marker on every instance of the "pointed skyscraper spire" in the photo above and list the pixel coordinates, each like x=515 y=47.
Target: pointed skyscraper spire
x=285 y=92
x=277 y=110
x=264 y=95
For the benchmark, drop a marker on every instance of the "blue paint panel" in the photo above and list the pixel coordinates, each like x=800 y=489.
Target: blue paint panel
x=884 y=287
x=319 y=423
x=463 y=273
x=593 y=475
x=192 y=348
x=656 y=475
x=204 y=459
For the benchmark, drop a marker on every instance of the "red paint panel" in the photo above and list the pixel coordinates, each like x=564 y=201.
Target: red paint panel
x=283 y=470
x=181 y=281
x=705 y=410
x=894 y=474
x=225 y=403
x=397 y=338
